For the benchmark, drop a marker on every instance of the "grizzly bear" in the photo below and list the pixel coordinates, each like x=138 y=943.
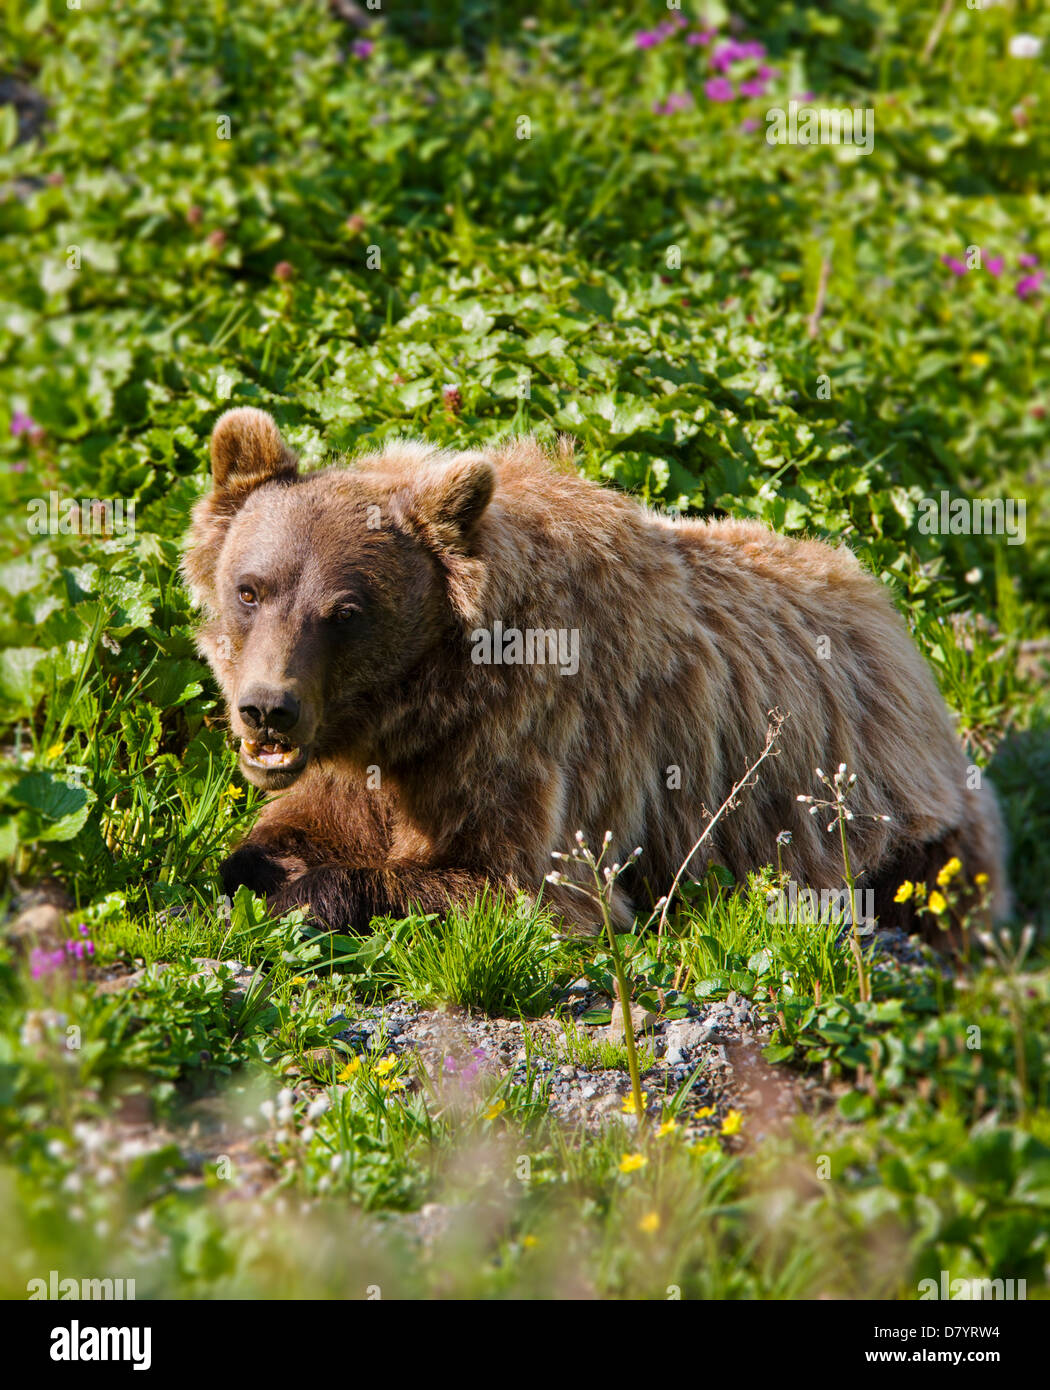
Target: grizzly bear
x=445 y=665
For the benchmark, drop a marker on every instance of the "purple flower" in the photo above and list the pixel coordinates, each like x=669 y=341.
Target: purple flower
x=749 y=124
x=677 y=101
x=956 y=267
x=1028 y=260
x=479 y=1053
x=21 y=423
x=450 y=1065
x=362 y=48
x=700 y=36
x=767 y=73
x=469 y=1072
x=19 y=467
x=753 y=87
x=718 y=89
x=994 y=266
x=646 y=38
x=1029 y=285
x=751 y=48
x=723 y=58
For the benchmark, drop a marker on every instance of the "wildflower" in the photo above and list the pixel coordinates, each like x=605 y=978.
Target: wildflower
x=749 y=125
x=705 y=1113
x=1025 y=46
x=362 y=48
x=450 y=1066
x=283 y=270
x=718 y=89
x=732 y=1122
x=453 y=398
x=753 y=87
x=703 y=1147
x=949 y=871
x=317 y=1108
x=529 y=1242
x=994 y=266
x=299 y=980
x=650 y=1223
x=979 y=359
x=1028 y=285
x=496 y=1110
x=904 y=892
x=392 y=1083
x=937 y=903
x=668 y=1127
x=1028 y=260
x=352 y=1067
x=217 y=239
x=628 y=1105
x=981 y=880
x=646 y=38
x=953 y=263
x=234 y=792
x=700 y=37
x=630 y=1163
x=21 y=423
x=386 y=1066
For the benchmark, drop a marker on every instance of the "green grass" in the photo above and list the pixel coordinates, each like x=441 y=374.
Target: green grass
x=646 y=283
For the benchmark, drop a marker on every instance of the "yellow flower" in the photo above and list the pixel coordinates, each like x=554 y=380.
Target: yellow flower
x=630 y=1163
x=702 y=1147
x=981 y=880
x=705 y=1113
x=354 y=1065
x=529 y=1242
x=497 y=1109
x=54 y=750
x=979 y=359
x=938 y=903
x=386 y=1065
x=392 y=1083
x=732 y=1122
x=948 y=872
x=904 y=892
x=650 y=1223
x=628 y=1105
x=234 y=792
x=299 y=980
x=668 y=1127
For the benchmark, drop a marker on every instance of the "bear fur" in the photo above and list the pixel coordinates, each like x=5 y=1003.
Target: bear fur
x=345 y=611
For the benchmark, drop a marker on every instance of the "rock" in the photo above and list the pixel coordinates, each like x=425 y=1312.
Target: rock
x=640 y=1018
x=38 y=926
x=685 y=1037
x=580 y=986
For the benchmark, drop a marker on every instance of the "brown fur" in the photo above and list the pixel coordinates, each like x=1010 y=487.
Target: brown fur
x=690 y=633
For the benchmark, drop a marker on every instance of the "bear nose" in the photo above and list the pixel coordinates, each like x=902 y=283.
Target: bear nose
x=275 y=710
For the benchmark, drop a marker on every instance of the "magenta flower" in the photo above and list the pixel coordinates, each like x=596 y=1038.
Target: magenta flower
x=1028 y=285
x=700 y=36
x=21 y=423
x=956 y=266
x=646 y=38
x=994 y=266
x=362 y=48
x=751 y=48
x=718 y=89
x=749 y=124
x=722 y=59
x=677 y=101
x=767 y=73
x=753 y=87
x=1028 y=260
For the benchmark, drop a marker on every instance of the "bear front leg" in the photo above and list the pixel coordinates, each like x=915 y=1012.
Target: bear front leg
x=346 y=899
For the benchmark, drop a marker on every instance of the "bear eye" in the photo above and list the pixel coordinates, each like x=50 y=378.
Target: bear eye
x=345 y=613
x=247 y=596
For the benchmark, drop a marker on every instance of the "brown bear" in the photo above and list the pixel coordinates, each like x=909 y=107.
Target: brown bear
x=444 y=665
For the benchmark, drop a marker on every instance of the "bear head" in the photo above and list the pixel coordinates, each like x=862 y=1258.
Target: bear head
x=325 y=592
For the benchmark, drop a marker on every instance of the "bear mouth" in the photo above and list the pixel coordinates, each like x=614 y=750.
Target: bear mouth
x=273 y=756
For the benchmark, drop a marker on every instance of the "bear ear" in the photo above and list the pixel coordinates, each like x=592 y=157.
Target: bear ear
x=449 y=505
x=247 y=450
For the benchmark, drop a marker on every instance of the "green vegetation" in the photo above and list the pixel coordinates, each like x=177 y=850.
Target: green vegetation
x=479 y=219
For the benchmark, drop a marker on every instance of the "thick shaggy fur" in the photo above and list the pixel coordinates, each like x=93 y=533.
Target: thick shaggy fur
x=429 y=776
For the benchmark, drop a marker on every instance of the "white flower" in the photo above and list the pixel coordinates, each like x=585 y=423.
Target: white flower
x=1025 y=46
x=267 y=1111
x=317 y=1107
